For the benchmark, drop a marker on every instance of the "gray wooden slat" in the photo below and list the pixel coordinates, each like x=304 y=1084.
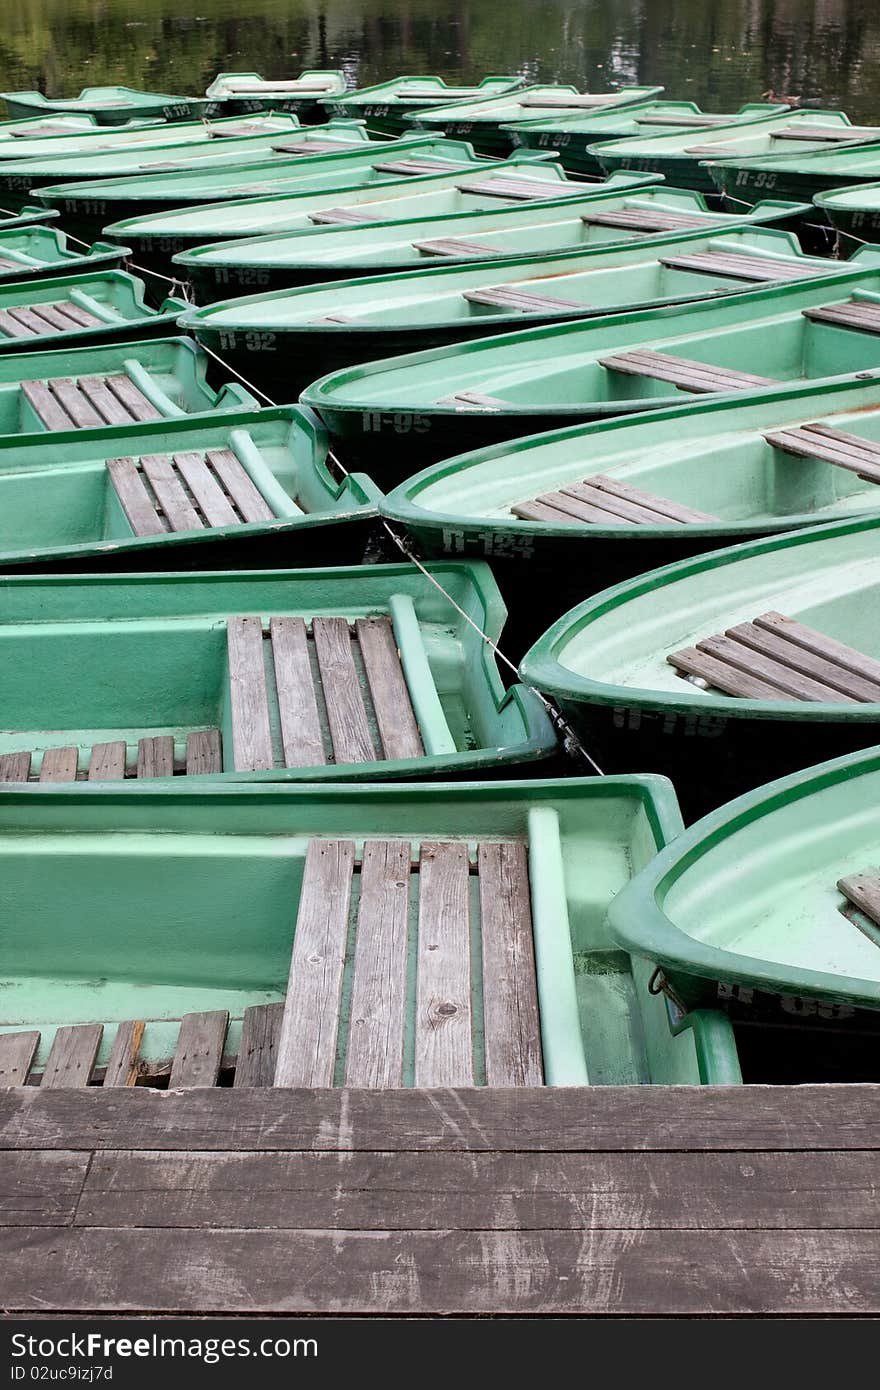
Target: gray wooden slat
x=41 y=1189
x=569 y=508
x=526 y=301
x=68 y=394
x=374 y=1056
x=844 y=440
x=297 y=702
x=443 y=1043
x=644 y=220
x=134 y=400
x=199 y=1050
x=12 y=328
x=240 y=486
x=80 y=316
x=792 y=683
x=155 y=757
x=517 y=190
x=206 y=490
x=741 y=266
x=107 y=761
x=863 y=891
x=847 y=657
x=15 y=767
x=512 y=1026
x=414 y=167
x=475 y=399
x=332 y=216
x=677 y=511
x=72 y=1055
x=609 y=501
x=306 y=1049
x=249 y=701
x=260 y=1029
x=59 y=765
x=44 y=316
x=774 y=644
x=46 y=407
x=834 y=134
x=852 y=314
x=582 y=100
x=542 y=511
x=96 y=392
x=29 y=324
x=134 y=499
x=17 y=1052
x=831 y=446
x=680 y=371
x=178 y=509
x=727 y=679
x=398 y=728
x=203 y=752
x=346 y=713
x=122 y=1064
x=457 y=246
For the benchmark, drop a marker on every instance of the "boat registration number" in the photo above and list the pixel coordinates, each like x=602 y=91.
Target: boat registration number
x=252 y=341
x=400 y=421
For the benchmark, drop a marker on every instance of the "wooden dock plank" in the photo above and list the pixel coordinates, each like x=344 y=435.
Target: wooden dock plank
x=17 y=1052
x=512 y=1026
x=249 y=701
x=107 y=761
x=203 y=752
x=395 y=716
x=260 y=1030
x=122 y=1064
x=206 y=490
x=72 y=1055
x=155 y=757
x=374 y=1056
x=346 y=714
x=181 y=514
x=59 y=765
x=297 y=702
x=15 y=767
x=306 y=1051
x=41 y=1189
x=199 y=1049
x=443 y=1043
x=134 y=499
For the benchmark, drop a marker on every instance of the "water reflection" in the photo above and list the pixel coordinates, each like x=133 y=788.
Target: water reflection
x=718 y=53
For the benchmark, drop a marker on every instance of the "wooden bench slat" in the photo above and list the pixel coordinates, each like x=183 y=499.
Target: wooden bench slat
x=727 y=679
x=843 y=135
x=475 y=400
x=109 y=407
x=853 y=314
x=457 y=246
x=134 y=499
x=155 y=757
x=43 y=316
x=830 y=446
x=526 y=301
x=122 y=1064
x=17 y=1052
x=681 y=371
x=511 y=1022
x=543 y=511
x=249 y=701
x=29 y=321
x=331 y=216
x=306 y=1050
x=12 y=328
x=203 y=752
x=740 y=266
x=199 y=1050
x=682 y=120
x=848 y=657
x=179 y=511
x=76 y=312
x=774 y=644
x=443 y=1044
x=792 y=683
x=594 y=497
x=398 y=727
x=346 y=713
x=518 y=190
x=72 y=1055
x=297 y=701
x=644 y=220
x=59 y=765
x=134 y=400
x=240 y=486
x=107 y=761
x=374 y=1056
x=677 y=511
x=260 y=1030
x=862 y=890
x=46 y=407
x=68 y=394
x=15 y=767
x=307 y=146
x=206 y=490
x=412 y=168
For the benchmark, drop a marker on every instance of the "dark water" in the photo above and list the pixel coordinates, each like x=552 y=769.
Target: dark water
x=716 y=52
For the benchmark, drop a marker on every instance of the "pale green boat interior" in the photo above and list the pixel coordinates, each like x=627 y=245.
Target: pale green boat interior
x=400 y=92
x=864 y=196
x=832 y=163
x=507 y=107
x=744 y=137
x=34 y=248
x=21 y=129
x=631 y=120
x=97 y=99
x=316 y=84
x=598 y=279
x=87 y=137
x=129 y=891
x=112 y=296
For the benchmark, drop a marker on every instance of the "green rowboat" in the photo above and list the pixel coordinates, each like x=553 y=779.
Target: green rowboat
x=34 y=252
x=607 y=662
x=47 y=141
x=238 y=93
x=532 y=230
x=250 y=486
x=94 y=307
x=27 y=217
x=467 y=395
x=482 y=119
x=796 y=940
x=855 y=211
x=682 y=158
x=795 y=175
x=297 y=675
x=572 y=135
x=93 y=388
x=226 y=889
x=385 y=106
x=283 y=336
x=108 y=105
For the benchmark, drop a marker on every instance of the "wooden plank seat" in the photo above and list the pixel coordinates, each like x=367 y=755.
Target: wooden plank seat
x=606 y=501
x=774 y=657
x=106 y=762
x=46 y=128
x=473 y=400
x=853 y=313
x=295 y=85
x=310 y=147
x=741 y=266
x=341 y=696
x=339 y=216
x=520 y=190
x=89 y=402
x=842 y=135
x=37 y=319
x=683 y=372
x=644 y=220
x=837 y=447
x=457 y=246
x=414 y=167
x=526 y=301
x=862 y=891
x=588 y=100
x=697 y=122
x=380 y=893
x=186 y=492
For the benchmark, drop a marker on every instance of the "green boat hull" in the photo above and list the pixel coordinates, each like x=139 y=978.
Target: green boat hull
x=192 y=859
x=807 y=177
x=222 y=99
x=61 y=513
x=109 y=106
x=717 y=746
x=386 y=108
x=784 y=948
x=28 y=217
x=112 y=297
x=853 y=211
